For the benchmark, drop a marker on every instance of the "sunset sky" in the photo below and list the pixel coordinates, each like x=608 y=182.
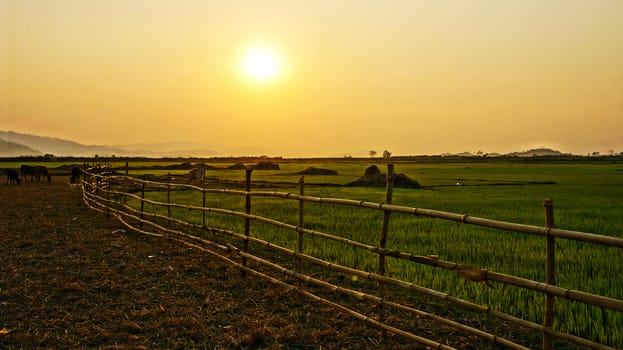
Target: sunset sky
x=346 y=76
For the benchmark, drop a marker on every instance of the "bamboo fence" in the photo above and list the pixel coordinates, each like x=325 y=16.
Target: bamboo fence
x=109 y=193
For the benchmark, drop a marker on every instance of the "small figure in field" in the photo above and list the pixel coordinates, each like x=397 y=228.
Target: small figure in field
x=196 y=175
x=42 y=171
x=12 y=177
x=75 y=175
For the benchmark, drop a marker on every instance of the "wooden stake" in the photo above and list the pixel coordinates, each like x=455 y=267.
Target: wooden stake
x=142 y=200
x=169 y=199
x=550 y=273
x=247 y=210
x=383 y=240
x=299 y=264
x=203 y=212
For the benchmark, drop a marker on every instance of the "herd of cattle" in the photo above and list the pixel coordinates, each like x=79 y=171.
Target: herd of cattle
x=40 y=173
x=36 y=173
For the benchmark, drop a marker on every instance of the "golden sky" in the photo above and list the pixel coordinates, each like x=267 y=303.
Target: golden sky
x=412 y=77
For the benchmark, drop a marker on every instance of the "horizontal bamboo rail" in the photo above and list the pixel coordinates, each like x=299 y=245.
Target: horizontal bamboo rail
x=273 y=280
x=120 y=214
x=105 y=183
x=485 y=275
x=372 y=277
x=421 y=290
x=378 y=300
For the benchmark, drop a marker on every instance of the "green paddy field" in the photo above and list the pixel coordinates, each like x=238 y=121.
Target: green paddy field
x=587 y=196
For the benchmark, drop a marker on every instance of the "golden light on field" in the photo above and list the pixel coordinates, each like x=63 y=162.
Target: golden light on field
x=261 y=64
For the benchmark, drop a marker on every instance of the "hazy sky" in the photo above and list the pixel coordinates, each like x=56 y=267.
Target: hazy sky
x=412 y=77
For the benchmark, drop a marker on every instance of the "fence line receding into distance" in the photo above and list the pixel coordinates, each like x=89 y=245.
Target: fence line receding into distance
x=111 y=194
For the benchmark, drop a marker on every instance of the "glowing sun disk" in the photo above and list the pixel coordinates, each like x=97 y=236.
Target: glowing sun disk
x=261 y=64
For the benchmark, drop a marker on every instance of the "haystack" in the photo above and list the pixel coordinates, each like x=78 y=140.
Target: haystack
x=266 y=166
x=373 y=177
x=237 y=166
x=181 y=166
x=317 y=171
x=204 y=166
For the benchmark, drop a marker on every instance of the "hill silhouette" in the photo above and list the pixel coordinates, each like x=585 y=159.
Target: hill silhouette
x=18 y=144
x=14 y=144
x=13 y=149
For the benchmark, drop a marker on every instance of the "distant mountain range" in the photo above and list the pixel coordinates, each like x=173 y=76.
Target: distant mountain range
x=536 y=152
x=12 y=149
x=13 y=144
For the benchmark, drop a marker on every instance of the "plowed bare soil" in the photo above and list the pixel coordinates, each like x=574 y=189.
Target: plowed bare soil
x=73 y=278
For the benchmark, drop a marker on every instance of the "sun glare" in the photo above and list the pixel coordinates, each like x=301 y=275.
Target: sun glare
x=261 y=64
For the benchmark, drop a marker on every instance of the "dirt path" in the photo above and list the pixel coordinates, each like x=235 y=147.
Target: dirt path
x=72 y=278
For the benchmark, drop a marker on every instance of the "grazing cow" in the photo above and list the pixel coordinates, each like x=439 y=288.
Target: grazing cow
x=75 y=175
x=27 y=170
x=12 y=177
x=42 y=171
x=196 y=175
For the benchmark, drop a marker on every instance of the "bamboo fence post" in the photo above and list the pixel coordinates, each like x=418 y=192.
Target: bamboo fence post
x=169 y=199
x=142 y=199
x=247 y=210
x=105 y=181
x=126 y=167
x=550 y=273
x=383 y=240
x=94 y=183
x=299 y=248
x=88 y=177
x=203 y=212
x=85 y=177
x=203 y=202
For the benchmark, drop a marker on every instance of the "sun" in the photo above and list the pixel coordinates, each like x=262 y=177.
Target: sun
x=261 y=64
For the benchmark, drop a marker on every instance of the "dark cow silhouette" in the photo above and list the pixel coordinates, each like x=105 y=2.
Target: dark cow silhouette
x=27 y=170
x=75 y=175
x=12 y=177
x=42 y=171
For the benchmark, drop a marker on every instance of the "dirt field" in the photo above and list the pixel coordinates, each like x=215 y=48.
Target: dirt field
x=72 y=278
